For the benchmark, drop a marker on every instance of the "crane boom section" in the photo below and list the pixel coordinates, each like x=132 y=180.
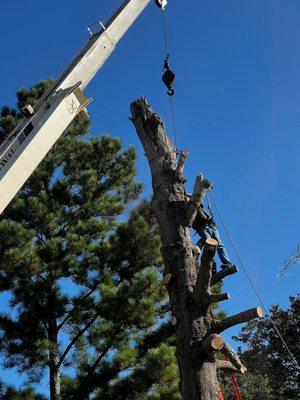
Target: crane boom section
x=94 y=54
x=31 y=140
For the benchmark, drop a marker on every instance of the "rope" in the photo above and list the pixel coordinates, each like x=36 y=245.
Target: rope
x=165 y=24
x=166 y=42
x=173 y=121
x=252 y=282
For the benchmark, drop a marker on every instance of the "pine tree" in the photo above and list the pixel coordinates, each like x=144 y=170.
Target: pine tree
x=271 y=368
x=58 y=233
x=131 y=343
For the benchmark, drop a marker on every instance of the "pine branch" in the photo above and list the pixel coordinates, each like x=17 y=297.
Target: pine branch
x=75 y=308
x=74 y=340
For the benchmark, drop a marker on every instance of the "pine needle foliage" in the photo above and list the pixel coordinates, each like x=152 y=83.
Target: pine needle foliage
x=85 y=288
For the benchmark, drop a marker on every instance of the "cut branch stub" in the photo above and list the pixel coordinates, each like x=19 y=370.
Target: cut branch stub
x=216 y=297
x=227 y=366
x=232 y=269
x=180 y=165
x=233 y=358
x=201 y=187
x=245 y=316
x=213 y=343
x=167 y=279
x=202 y=287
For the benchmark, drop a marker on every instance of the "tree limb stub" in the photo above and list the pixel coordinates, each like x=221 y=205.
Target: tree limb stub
x=223 y=274
x=233 y=358
x=216 y=297
x=180 y=165
x=214 y=342
x=226 y=366
x=202 y=287
x=245 y=316
x=201 y=187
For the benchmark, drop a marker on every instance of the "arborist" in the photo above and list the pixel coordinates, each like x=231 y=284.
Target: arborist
x=206 y=227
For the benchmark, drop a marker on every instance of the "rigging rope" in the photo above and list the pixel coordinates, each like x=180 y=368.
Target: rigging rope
x=252 y=282
x=166 y=41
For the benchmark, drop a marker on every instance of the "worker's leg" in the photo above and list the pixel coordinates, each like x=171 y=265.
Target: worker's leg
x=204 y=234
x=222 y=253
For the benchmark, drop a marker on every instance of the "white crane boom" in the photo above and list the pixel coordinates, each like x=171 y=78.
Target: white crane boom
x=42 y=126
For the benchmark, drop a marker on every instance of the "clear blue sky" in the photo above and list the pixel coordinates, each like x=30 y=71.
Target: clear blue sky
x=237 y=106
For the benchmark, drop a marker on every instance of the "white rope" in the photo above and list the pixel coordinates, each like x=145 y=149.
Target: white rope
x=252 y=282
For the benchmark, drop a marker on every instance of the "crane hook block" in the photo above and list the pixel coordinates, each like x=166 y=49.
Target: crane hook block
x=169 y=78
x=161 y=3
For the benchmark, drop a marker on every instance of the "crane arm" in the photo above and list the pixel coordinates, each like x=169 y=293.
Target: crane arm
x=31 y=140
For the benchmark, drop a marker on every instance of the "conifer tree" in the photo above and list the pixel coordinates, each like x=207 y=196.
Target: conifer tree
x=75 y=279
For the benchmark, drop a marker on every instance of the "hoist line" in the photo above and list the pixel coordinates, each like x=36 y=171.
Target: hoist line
x=174 y=122
x=165 y=24
x=166 y=41
x=256 y=291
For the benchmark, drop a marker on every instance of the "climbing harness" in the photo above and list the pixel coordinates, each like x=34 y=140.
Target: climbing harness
x=169 y=78
x=256 y=291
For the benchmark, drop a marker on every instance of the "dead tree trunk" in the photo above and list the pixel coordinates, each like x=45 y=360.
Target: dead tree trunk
x=189 y=285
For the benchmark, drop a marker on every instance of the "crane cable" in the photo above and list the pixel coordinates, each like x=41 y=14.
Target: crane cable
x=251 y=281
x=166 y=41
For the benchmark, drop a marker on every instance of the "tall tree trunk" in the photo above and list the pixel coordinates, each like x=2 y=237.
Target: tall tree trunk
x=188 y=284
x=54 y=369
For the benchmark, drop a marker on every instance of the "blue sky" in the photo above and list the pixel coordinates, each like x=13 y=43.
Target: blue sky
x=237 y=107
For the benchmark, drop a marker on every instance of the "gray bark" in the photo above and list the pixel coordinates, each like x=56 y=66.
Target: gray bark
x=189 y=286
x=54 y=369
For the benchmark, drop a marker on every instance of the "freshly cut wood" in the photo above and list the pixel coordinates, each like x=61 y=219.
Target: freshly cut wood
x=215 y=298
x=167 y=279
x=233 y=358
x=213 y=343
x=202 y=287
x=245 y=316
x=227 y=366
x=212 y=242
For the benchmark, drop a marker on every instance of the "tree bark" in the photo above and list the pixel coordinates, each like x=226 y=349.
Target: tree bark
x=188 y=285
x=174 y=215
x=54 y=369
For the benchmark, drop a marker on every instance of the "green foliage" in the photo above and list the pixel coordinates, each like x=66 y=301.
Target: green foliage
x=86 y=289
x=10 y=393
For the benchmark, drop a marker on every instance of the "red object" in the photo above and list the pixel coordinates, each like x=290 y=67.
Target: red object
x=233 y=380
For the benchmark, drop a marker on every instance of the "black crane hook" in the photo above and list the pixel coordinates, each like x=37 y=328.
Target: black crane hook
x=169 y=78
x=161 y=3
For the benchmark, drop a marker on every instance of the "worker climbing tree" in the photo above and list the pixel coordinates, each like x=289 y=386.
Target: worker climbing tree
x=189 y=285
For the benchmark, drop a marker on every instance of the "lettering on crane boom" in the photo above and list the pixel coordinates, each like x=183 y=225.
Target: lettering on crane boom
x=6 y=158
